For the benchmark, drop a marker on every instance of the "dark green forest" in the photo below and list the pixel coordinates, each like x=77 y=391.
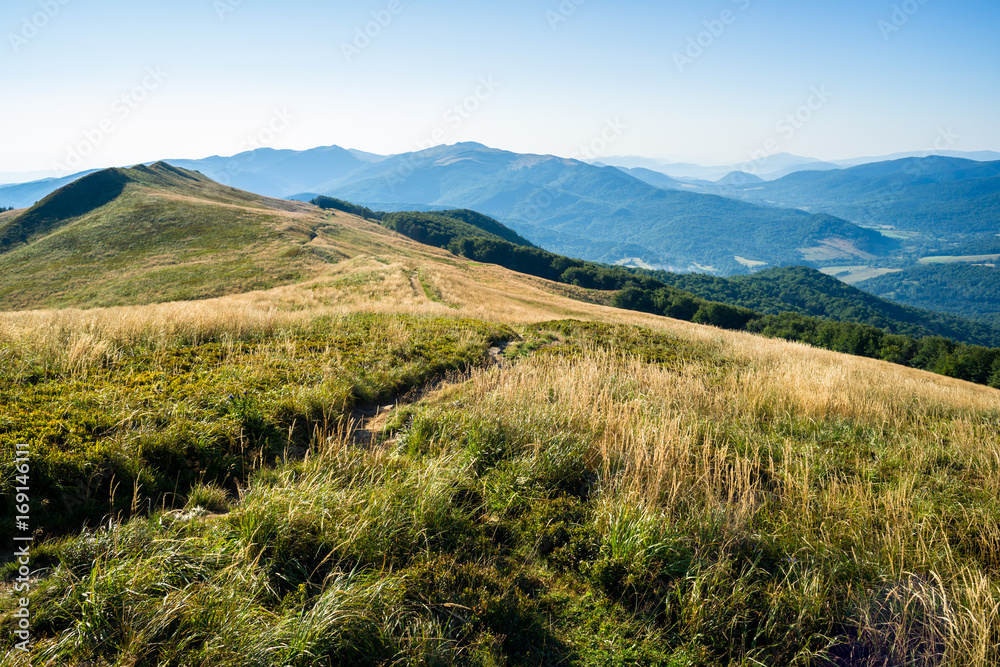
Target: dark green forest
x=330 y=203
x=967 y=290
x=805 y=291
x=634 y=291
x=984 y=245
x=441 y=230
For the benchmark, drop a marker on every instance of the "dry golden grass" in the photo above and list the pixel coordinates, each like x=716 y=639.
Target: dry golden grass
x=735 y=449
x=379 y=276
x=851 y=464
x=363 y=283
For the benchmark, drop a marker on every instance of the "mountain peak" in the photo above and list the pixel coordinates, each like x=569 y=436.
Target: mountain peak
x=739 y=178
x=95 y=190
x=70 y=201
x=472 y=144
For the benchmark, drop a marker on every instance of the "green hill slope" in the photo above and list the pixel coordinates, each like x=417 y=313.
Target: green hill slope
x=159 y=233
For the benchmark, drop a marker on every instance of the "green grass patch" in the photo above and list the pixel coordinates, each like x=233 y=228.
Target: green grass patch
x=154 y=422
x=487 y=529
x=431 y=291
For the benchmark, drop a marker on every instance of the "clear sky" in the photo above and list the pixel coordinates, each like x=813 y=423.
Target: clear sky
x=93 y=83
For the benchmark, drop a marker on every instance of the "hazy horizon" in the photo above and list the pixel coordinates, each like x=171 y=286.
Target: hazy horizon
x=710 y=83
x=28 y=176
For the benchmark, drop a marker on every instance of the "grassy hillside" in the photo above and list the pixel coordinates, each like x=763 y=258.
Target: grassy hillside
x=7 y=215
x=125 y=236
x=409 y=457
x=628 y=490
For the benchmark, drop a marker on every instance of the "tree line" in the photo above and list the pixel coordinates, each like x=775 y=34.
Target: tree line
x=644 y=293
x=799 y=289
x=330 y=203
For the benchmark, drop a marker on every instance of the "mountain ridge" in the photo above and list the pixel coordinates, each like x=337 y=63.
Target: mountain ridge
x=933 y=195
x=152 y=233
x=611 y=212
x=605 y=213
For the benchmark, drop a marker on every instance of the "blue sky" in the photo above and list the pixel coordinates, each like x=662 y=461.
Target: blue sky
x=93 y=83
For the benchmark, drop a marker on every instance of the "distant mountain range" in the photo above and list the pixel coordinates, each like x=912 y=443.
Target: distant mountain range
x=282 y=173
x=941 y=196
x=568 y=206
x=634 y=214
x=771 y=167
x=161 y=233
x=604 y=214
x=264 y=171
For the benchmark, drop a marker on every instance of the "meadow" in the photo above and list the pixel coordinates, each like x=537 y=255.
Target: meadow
x=408 y=458
x=628 y=490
